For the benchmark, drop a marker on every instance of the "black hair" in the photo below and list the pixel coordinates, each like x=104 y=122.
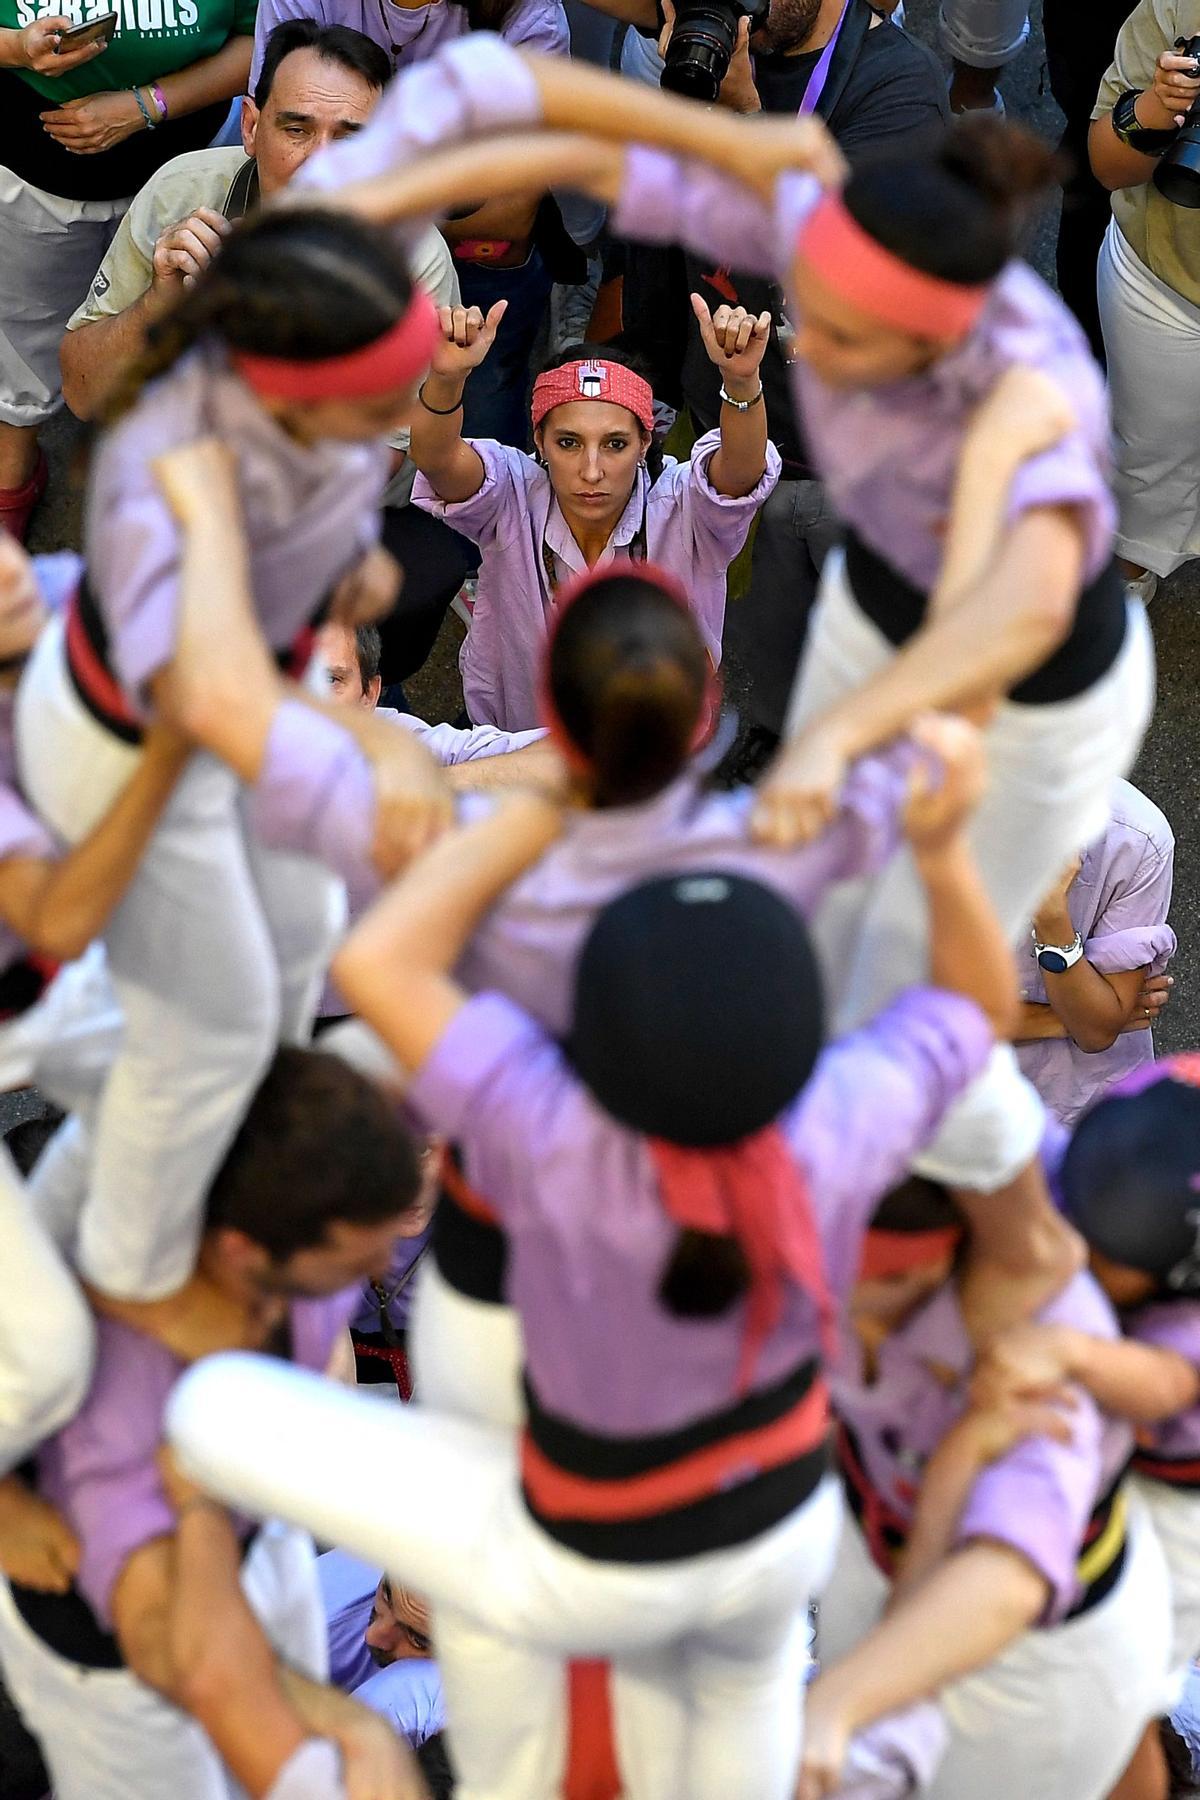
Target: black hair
x=916 y=1204
x=628 y=673
x=368 y=650
x=339 y=44
x=956 y=207
x=487 y=15
x=706 y=1273
x=27 y=1139
x=297 y=283
x=319 y=1145
x=625 y=359
x=435 y=1767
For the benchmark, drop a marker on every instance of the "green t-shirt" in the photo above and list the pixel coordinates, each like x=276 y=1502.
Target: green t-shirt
x=1164 y=236
x=153 y=38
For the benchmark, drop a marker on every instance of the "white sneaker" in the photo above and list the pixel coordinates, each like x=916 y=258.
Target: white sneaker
x=1143 y=588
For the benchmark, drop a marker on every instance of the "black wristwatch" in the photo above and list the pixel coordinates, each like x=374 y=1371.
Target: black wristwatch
x=1139 y=137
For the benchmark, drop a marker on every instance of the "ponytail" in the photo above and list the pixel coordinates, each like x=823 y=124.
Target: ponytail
x=302 y=284
x=956 y=210
x=628 y=674
x=706 y=1275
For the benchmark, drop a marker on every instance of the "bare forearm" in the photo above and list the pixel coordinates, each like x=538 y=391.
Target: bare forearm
x=453 y=469
x=961 y=1616
x=213 y=78
x=737 y=467
x=94 y=356
x=978 y=649
x=224 y=680
x=86 y=886
x=1091 y=1013
x=530 y=163
x=535 y=766
x=1114 y=163
x=629 y=112
x=949 y=1476
x=969 y=953
x=1140 y=1382
x=1037 y=1022
x=424 y=921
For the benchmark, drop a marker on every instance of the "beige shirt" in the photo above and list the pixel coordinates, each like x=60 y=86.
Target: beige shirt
x=1165 y=237
x=204 y=178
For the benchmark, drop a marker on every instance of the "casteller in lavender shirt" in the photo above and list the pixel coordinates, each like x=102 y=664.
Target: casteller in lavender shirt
x=1118 y=904
x=1037 y=1498
x=101 y=1470
x=687 y=527
x=585 y=1278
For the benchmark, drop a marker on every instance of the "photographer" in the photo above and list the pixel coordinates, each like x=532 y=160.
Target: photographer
x=1149 y=287
x=874 y=86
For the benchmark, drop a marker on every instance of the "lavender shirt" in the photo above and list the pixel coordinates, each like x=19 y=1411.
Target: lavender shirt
x=413 y=34
x=1118 y=903
x=100 y=1470
x=1039 y=1497
x=588 y=1235
x=315 y=796
x=687 y=527
x=310 y=513
x=1170 y=1325
x=407 y=1691
x=896 y=1756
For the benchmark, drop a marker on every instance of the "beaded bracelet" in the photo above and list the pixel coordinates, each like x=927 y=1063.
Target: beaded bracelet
x=151 y=124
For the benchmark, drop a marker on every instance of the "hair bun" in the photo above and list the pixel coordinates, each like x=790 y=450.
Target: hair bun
x=1006 y=164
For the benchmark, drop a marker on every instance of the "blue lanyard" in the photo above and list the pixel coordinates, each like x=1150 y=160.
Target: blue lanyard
x=820 y=75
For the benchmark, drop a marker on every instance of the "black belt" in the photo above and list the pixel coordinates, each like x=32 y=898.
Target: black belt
x=898 y=609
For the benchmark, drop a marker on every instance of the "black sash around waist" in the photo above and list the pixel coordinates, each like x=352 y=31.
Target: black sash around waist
x=710 y=1485
x=1091 y=647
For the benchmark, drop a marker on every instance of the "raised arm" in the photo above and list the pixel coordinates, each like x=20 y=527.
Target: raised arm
x=223 y=684
x=1144 y=1383
x=734 y=341
x=962 y=1616
x=1025 y=414
x=394 y=966
x=1005 y=625
x=453 y=469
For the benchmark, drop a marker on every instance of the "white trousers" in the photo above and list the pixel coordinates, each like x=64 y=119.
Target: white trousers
x=1176 y=1516
x=1059 y=1714
x=1050 y=769
x=50 y=248
x=716 y=1642
x=65 y=1046
x=106 y=1736
x=217 y=951
x=1152 y=341
x=984 y=34
x=467 y=1355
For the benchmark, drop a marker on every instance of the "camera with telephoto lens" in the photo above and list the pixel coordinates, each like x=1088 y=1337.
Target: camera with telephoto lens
x=702 y=43
x=1177 y=176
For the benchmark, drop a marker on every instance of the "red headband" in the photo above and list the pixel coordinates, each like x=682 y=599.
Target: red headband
x=887 y=1253
x=391 y=361
x=710 y=708
x=593 y=381
x=861 y=271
